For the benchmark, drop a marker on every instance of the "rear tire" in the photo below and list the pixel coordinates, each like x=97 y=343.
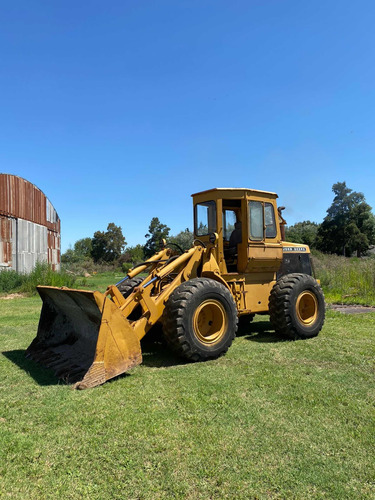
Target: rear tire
x=127 y=286
x=200 y=319
x=297 y=307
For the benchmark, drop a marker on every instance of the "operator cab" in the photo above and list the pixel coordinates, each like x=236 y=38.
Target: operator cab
x=247 y=225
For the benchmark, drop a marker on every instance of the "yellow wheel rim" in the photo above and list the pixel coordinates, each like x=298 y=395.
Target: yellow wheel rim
x=210 y=322
x=307 y=308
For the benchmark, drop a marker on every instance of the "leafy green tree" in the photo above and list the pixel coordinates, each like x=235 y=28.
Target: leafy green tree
x=365 y=221
x=107 y=246
x=183 y=239
x=81 y=251
x=302 y=232
x=69 y=257
x=349 y=225
x=134 y=255
x=156 y=233
x=83 y=248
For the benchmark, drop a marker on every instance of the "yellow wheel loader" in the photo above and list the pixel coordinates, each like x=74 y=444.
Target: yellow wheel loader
x=239 y=266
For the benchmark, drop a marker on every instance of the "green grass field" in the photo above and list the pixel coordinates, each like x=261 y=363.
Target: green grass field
x=272 y=419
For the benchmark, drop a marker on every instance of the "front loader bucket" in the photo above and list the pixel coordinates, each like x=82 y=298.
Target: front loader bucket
x=83 y=337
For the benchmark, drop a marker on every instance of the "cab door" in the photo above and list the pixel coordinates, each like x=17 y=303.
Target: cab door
x=264 y=249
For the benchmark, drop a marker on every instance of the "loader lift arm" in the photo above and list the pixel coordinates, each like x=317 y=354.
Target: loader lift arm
x=148 y=295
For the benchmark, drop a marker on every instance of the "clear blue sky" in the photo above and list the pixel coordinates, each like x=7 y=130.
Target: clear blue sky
x=119 y=110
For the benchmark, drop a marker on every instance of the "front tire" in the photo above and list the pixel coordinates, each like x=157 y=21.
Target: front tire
x=200 y=319
x=297 y=307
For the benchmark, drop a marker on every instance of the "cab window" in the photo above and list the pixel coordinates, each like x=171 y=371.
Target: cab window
x=262 y=221
x=256 y=220
x=269 y=218
x=205 y=218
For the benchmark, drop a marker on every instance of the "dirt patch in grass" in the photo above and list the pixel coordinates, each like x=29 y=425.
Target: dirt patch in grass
x=13 y=296
x=350 y=309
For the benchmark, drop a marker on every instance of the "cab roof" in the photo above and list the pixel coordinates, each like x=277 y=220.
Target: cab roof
x=238 y=190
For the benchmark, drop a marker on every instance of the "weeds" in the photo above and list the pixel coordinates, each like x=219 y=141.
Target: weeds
x=347 y=280
x=89 y=266
x=42 y=274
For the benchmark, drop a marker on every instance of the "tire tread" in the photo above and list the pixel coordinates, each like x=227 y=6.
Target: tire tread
x=280 y=304
x=175 y=310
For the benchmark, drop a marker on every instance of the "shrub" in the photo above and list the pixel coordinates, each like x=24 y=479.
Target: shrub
x=126 y=266
x=10 y=281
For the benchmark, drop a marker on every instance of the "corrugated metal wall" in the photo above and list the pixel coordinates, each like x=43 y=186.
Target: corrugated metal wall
x=29 y=226
x=31 y=244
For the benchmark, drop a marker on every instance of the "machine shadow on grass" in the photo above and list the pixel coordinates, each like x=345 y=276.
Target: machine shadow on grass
x=40 y=374
x=155 y=352
x=260 y=331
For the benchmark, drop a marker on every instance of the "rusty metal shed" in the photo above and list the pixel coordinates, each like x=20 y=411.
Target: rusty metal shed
x=29 y=226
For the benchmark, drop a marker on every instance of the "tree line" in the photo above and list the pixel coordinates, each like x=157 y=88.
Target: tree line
x=349 y=227
x=110 y=246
